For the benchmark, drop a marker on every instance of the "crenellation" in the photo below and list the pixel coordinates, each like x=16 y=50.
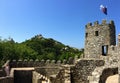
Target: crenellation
x=14 y=60
x=30 y=63
x=37 y=60
x=119 y=41
x=25 y=63
x=36 y=63
x=111 y=22
x=64 y=61
x=48 y=62
x=19 y=63
x=42 y=63
x=20 y=60
x=53 y=62
x=88 y=25
x=25 y=60
x=59 y=62
x=71 y=60
x=31 y=60
x=104 y=22
x=96 y=23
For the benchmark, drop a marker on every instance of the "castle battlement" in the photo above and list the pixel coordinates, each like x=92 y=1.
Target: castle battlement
x=96 y=23
x=40 y=63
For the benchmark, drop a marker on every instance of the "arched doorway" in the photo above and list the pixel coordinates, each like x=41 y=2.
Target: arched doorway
x=106 y=73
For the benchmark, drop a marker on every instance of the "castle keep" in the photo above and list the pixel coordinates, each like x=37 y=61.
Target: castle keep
x=100 y=61
x=98 y=38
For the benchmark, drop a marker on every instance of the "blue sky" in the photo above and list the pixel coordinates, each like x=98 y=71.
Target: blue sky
x=62 y=20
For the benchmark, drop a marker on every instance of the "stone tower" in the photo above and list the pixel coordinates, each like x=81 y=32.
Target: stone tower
x=98 y=37
x=119 y=40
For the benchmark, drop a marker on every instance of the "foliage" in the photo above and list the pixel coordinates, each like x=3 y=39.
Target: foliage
x=37 y=47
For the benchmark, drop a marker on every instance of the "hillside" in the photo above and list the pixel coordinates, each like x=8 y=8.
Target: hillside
x=37 y=47
x=48 y=48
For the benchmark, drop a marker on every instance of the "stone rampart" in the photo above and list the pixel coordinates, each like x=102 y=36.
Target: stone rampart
x=96 y=23
x=47 y=71
x=37 y=63
x=83 y=69
x=77 y=73
x=100 y=74
x=111 y=66
x=64 y=75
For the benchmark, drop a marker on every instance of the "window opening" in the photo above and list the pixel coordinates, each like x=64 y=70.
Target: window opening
x=104 y=50
x=86 y=34
x=96 y=33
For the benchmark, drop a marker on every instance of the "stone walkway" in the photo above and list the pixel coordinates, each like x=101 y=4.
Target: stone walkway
x=112 y=79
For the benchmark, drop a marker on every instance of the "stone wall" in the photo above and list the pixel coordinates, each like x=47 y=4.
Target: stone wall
x=38 y=78
x=48 y=71
x=98 y=36
x=83 y=69
x=77 y=73
x=58 y=78
x=45 y=68
x=100 y=74
x=37 y=63
x=111 y=66
x=64 y=75
x=106 y=73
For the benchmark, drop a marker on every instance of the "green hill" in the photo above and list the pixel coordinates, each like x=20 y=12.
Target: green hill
x=37 y=47
x=48 y=48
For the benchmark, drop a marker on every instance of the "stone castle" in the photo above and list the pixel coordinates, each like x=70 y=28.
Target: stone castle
x=99 y=62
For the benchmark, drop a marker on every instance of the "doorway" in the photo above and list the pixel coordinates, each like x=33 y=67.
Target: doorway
x=22 y=76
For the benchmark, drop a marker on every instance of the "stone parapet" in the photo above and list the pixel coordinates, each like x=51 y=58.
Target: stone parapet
x=96 y=23
x=40 y=63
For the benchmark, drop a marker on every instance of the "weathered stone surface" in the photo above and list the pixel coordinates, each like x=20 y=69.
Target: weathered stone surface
x=99 y=35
